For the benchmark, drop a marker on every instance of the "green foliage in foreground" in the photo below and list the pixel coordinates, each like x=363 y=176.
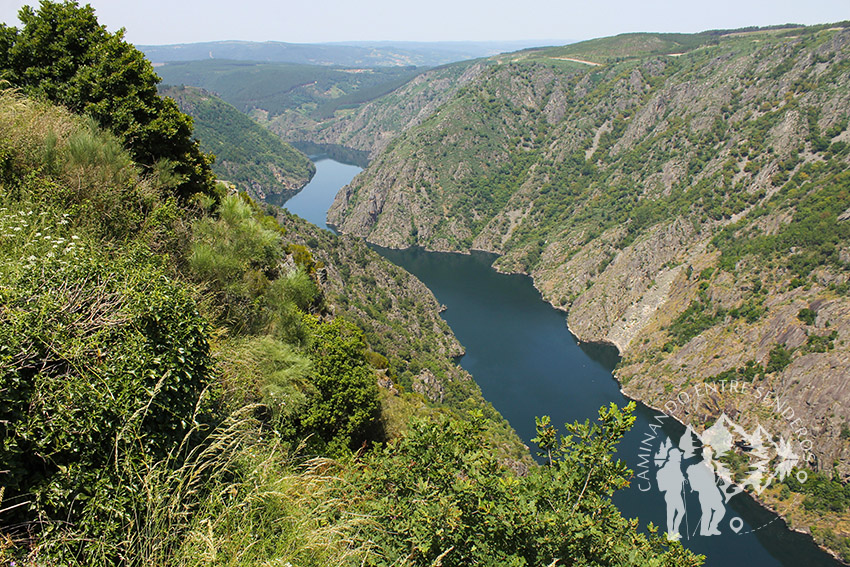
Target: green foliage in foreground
x=63 y=55
x=440 y=497
x=98 y=358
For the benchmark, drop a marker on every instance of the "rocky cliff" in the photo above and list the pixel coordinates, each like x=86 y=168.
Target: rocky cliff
x=689 y=207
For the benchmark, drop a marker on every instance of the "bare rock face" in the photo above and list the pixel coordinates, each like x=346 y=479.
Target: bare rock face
x=428 y=385
x=626 y=295
x=386 y=382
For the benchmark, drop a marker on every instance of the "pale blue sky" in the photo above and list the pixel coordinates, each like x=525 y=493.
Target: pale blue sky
x=186 y=21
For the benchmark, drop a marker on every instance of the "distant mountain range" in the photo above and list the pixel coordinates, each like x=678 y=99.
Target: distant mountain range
x=367 y=53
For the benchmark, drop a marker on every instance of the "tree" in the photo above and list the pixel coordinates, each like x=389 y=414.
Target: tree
x=440 y=495
x=63 y=55
x=346 y=410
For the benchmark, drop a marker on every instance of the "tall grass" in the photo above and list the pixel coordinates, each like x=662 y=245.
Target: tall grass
x=245 y=500
x=51 y=158
x=238 y=498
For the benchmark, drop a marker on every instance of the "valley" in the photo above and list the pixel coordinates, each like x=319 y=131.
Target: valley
x=582 y=304
x=667 y=204
x=652 y=185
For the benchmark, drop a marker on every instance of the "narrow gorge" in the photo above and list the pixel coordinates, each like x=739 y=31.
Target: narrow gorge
x=686 y=201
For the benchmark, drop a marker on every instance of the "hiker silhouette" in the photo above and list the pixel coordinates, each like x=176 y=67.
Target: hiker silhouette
x=703 y=481
x=671 y=482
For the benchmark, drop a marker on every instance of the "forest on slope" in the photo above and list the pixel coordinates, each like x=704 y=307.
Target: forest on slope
x=183 y=377
x=684 y=197
x=247 y=155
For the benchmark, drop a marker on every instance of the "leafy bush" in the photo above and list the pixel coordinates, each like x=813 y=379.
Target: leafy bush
x=96 y=358
x=807 y=316
x=344 y=412
x=440 y=496
x=778 y=359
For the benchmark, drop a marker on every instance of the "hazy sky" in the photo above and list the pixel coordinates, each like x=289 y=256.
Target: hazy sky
x=185 y=21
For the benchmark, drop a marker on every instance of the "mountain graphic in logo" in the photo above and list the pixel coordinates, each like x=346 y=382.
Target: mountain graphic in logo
x=699 y=463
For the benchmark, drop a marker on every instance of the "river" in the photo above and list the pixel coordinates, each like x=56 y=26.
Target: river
x=528 y=364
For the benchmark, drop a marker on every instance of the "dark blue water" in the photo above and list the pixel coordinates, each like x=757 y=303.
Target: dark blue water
x=528 y=364
x=313 y=202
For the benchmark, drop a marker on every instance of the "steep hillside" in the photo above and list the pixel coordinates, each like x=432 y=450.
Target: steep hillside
x=247 y=155
x=176 y=376
x=181 y=385
x=688 y=206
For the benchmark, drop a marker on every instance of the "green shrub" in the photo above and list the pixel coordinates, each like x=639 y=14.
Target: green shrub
x=778 y=359
x=344 y=413
x=97 y=358
x=440 y=496
x=807 y=316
